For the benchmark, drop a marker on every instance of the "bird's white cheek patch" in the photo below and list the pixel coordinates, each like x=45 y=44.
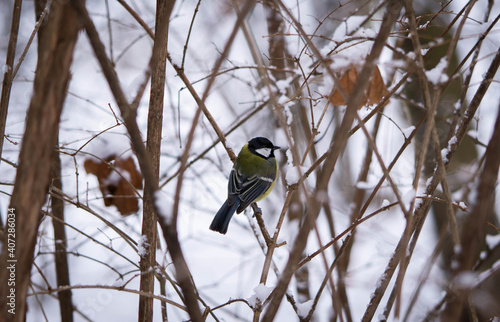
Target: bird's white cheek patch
x=265 y=152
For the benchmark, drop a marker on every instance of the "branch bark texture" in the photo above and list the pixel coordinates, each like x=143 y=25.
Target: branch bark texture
x=30 y=188
x=153 y=147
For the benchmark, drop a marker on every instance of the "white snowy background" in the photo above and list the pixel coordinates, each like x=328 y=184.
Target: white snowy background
x=223 y=267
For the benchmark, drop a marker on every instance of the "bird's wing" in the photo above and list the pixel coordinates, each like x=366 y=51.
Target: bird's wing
x=248 y=189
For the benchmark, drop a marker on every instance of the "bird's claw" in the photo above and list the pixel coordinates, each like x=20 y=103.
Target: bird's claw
x=257 y=210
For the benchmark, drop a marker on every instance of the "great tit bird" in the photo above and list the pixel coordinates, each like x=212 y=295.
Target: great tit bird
x=252 y=178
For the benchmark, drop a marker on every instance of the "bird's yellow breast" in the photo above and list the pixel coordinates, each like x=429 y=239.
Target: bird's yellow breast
x=250 y=164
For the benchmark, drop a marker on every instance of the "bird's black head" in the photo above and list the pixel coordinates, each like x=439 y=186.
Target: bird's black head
x=262 y=147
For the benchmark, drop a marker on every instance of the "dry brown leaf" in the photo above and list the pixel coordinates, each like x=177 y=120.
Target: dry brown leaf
x=347 y=81
x=376 y=88
x=117 y=189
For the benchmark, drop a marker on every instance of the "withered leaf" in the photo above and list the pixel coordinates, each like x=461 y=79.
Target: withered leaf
x=375 y=92
x=117 y=189
x=376 y=88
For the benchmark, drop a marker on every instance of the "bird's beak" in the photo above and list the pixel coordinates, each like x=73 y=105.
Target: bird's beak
x=276 y=147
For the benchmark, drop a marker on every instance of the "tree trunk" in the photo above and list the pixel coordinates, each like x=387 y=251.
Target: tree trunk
x=61 y=243
x=8 y=75
x=155 y=122
x=32 y=179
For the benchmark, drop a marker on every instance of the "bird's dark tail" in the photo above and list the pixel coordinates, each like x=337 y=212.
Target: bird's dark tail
x=223 y=216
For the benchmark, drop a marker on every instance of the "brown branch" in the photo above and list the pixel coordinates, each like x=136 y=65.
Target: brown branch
x=155 y=123
x=328 y=276
x=30 y=188
x=108 y=287
x=422 y=210
x=204 y=108
x=128 y=114
x=208 y=149
x=473 y=237
x=337 y=146
x=189 y=34
x=61 y=258
x=8 y=74
x=201 y=100
x=129 y=117
x=41 y=13
x=56 y=193
x=137 y=18
x=170 y=222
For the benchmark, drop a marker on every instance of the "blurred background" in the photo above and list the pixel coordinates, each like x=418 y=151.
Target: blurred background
x=276 y=79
